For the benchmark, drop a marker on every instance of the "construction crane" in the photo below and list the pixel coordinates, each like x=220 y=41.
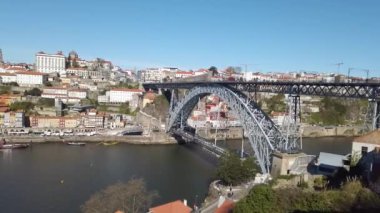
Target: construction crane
x=338 y=65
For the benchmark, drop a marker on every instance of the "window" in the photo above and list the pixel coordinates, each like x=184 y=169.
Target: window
x=364 y=150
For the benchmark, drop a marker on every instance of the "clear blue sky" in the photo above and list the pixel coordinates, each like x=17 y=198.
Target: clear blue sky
x=269 y=35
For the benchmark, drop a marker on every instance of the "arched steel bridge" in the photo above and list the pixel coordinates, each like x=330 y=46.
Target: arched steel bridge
x=264 y=136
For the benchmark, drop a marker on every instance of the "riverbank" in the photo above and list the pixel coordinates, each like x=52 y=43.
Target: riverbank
x=155 y=138
x=332 y=131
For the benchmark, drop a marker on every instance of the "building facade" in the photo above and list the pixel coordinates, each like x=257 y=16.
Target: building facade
x=54 y=122
x=123 y=95
x=14 y=119
x=31 y=78
x=363 y=145
x=50 y=63
x=66 y=95
x=8 y=77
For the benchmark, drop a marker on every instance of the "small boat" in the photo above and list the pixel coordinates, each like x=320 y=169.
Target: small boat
x=76 y=143
x=4 y=145
x=110 y=143
x=14 y=146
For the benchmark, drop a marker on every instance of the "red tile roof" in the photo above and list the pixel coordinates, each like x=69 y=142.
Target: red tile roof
x=31 y=73
x=4 y=109
x=172 y=207
x=127 y=90
x=7 y=74
x=371 y=137
x=184 y=72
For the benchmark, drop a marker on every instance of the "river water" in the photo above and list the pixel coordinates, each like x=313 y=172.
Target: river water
x=30 y=179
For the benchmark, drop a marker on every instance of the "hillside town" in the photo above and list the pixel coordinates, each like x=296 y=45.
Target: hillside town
x=66 y=95
x=61 y=96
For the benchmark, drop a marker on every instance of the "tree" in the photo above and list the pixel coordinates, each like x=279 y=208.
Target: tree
x=48 y=84
x=130 y=197
x=261 y=198
x=15 y=84
x=89 y=101
x=22 y=105
x=33 y=92
x=276 y=103
x=124 y=108
x=213 y=70
x=232 y=170
x=5 y=89
x=332 y=112
x=46 y=102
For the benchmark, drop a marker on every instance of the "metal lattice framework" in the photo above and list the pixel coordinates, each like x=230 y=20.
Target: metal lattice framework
x=346 y=90
x=264 y=136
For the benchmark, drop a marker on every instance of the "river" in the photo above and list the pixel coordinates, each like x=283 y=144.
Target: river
x=31 y=178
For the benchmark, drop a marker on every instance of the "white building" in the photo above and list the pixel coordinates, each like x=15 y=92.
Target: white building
x=156 y=74
x=8 y=77
x=66 y=95
x=30 y=78
x=104 y=98
x=365 y=144
x=183 y=74
x=14 y=119
x=122 y=95
x=82 y=72
x=77 y=93
x=50 y=63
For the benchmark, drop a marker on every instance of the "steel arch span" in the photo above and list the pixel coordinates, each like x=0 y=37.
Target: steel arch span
x=264 y=136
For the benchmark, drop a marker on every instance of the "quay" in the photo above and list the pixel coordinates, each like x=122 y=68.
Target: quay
x=157 y=138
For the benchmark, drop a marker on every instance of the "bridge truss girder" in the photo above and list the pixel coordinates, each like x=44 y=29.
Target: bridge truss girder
x=264 y=137
x=344 y=90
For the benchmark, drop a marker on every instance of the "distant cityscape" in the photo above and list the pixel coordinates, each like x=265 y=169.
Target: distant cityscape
x=86 y=95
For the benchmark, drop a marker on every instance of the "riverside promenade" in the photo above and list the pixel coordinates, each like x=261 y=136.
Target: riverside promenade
x=154 y=138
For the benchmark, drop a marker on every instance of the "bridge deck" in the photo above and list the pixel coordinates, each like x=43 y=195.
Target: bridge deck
x=348 y=90
x=199 y=140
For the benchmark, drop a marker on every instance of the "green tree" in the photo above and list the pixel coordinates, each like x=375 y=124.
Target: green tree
x=89 y=101
x=5 y=89
x=276 y=103
x=128 y=85
x=232 y=170
x=332 y=112
x=261 y=198
x=48 y=84
x=22 y=105
x=46 y=102
x=102 y=107
x=124 y=108
x=213 y=70
x=33 y=92
x=130 y=197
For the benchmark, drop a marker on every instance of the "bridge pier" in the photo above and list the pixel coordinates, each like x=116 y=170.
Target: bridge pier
x=376 y=114
x=373 y=114
x=282 y=163
x=291 y=123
